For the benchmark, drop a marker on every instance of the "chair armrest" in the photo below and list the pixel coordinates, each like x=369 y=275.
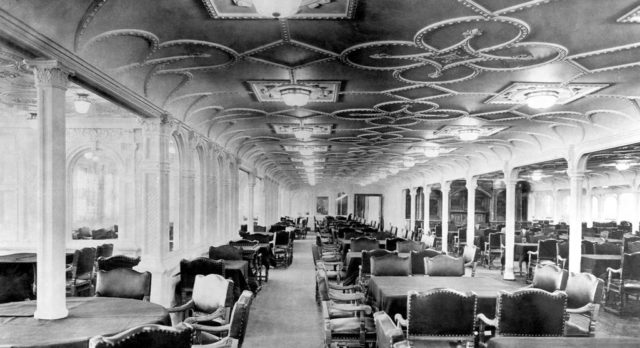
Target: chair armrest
x=614 y=270
x=589 y=307
x=214 y=329
x=486 y=321
x=402 y=344
x=352 y=308
x=182 y=308
x=350 y=297
x=343 y=287
x=400 y=320
x=532 y=253
x=209 y=317
x=222 y=343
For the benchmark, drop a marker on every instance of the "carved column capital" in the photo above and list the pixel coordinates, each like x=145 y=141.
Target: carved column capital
x=49 y=73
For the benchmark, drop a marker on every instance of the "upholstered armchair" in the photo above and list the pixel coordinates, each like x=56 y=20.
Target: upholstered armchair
x=549 y=278
x=200 y=265
x=329 y=252
x=630 y=244
x=623 y=282
x=341 y=300
x=80 y=273
x=391 y=265
x=334 y=268
x=386 y=330
x=408 y=246
x=444 y=266
x=124 y=283
x=584 y=294
x=148 y=336
x=365 y=267
x=225 y=252
x=230 y=335
x=469 y=258
x=526 y=312
x=417 y=260
x=439 y=315
x=117 y=261
x=349 y=329
x=547 y=253
x=283 y=248
x=391 y=243
x=210 y=302
x=363 y=243
x=493 y=247
x=588 y=247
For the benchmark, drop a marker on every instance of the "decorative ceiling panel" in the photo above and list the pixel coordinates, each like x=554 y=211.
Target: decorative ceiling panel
x=517 y=92
x=316 y=129
x=322 y=91
x=309 y=9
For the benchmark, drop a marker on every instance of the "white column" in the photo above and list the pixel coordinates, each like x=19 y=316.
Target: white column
x=445 y=187
x=412 y=220
x=427 y=202
x=619 y=207
x=252 y=185
x=212 y=203
x=471 y=184
x=556 y=205
x=51 y=85
x=155 y=206
x=531 y=205
x=187 y=206
x=587 y=212
x=575 y=219
x=510 y=181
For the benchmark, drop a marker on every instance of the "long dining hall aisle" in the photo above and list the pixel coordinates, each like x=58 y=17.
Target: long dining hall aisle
x=284 y=314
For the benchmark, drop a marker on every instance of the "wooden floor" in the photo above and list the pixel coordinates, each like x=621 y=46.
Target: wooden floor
x=285 y=315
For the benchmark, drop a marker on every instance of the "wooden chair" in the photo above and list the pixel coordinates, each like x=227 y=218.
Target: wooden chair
x=417 y=260
x=230 y=335
x=549 y=278
x=584 y=295
x=117 y=261
x=387 y=332
x=80 y=274
x=340 y=298
x=334 y=268
x=148 y=336
x=494 y=248
x=124 y=283
x=282 y=248
x=623 y=282
x=391 y=265
x=408 y=246
x=391 y=243
x=104 y=250
x=547 y=253
x=200 y=265
x=363 y=243
x=526 y=312
x=444 y=266
x=630 y=244
x=211 y=300
x=364 y=272
x=439 y=315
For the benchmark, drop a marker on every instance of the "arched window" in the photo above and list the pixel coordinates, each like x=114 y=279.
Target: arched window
x=174 y=194
x=95 y=196
x=342 y=202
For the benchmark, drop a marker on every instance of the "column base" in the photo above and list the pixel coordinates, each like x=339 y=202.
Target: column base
x=51 y=313
x=508 y=274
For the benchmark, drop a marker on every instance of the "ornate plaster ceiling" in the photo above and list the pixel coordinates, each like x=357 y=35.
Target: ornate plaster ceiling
x=397 y=74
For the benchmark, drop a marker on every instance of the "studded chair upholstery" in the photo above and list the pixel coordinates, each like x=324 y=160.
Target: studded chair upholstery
x=439 y=315
x=444 y=266
x=230 y=335
x=527 y=312
x=124 y=283
x=549 y=278
x=81 y=272
x=547 y=253
x=584 y=294
x=386 y=330
x=200 y=265
x=210 y=302
x=623 y=282
x=417 y=259
x=391 y=265
x=364 y=243
x=365 y=267
x=117 y=261
x=148 y=336
x=408 y=246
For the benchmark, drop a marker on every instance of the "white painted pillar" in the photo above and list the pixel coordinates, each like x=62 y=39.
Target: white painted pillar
x=510 y=180
x=601 y=198
x=471 y=184
x=575 y=219
x=252 y=185
x=587 y=209
x=619 y=207
x=531 y=206
x=412 y=220
x=427 y=202
x=212 y=203
x=187 y=214
x=556 y=205
x=445 y=187
x=51 y=85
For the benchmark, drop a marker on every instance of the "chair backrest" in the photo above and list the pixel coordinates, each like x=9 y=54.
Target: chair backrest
x=225 y=252
x=531 y=312
x=391 y=265
x=259 y=237
x=83 y=263
x=240 y=317
x=441 y=312
x=444 y=266
x=368 y=254
x=148 y=336
x=123 y=283
x=407 y=246
x=631 y=266
x=242 y=242
x=211 y=292
x=390 y=243
x=496 y=240
x=104 y=250
x=550 y=278
x=199 y=265
x=281 y=238
x=582 y=289
x=16 y=283
x=608 y=248
x=364 y=243
x=117 y=261
x=417 y=259
x=387 y=333
x=315 y=252
x=588 y=247
x=469 y=253
x=548 y=249
x=629 y=243
x=616 y=234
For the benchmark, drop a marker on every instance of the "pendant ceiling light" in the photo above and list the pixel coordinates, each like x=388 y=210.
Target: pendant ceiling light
x=542 y=99
x=308 y=162
x=623 y=164
x=306 y=151
x=302 y=133
x=409 y=162
x=295 y=95
x=469 y=134
x=536 y=175
x=277 y=8
x=431 y=150
x=82 y=103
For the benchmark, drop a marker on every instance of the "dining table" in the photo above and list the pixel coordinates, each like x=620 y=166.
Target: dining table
x=597 y=264
x=389 y=294
x=562 y=342
x=22 y=268
x=88 y=317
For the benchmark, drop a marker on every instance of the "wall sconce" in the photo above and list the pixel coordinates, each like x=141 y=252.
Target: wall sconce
x=82 y=103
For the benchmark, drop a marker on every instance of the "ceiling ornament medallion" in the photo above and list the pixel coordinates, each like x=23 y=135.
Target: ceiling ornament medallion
x=304 y=148
x=522 y=92
x=465 y=132
x=320 y=91
x=309 y=9
x=288 y=129
x=632 y=16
